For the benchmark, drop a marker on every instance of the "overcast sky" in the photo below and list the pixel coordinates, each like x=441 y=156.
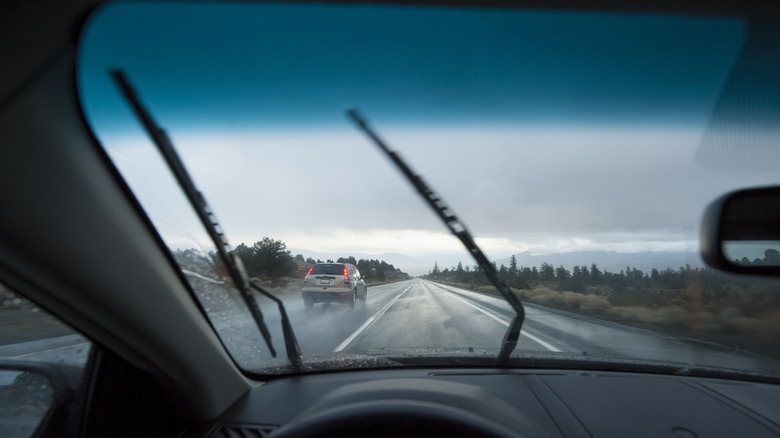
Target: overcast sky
x=544 y=131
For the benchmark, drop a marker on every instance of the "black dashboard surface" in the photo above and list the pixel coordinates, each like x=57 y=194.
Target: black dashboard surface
x=487 y=402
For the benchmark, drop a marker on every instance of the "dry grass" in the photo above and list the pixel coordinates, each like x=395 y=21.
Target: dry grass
x=765 y=326
x=572 y=300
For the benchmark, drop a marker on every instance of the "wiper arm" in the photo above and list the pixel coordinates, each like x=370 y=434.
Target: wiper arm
x=460 y=231
x=234 y=265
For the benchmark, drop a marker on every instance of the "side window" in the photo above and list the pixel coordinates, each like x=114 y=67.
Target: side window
x=42 y=362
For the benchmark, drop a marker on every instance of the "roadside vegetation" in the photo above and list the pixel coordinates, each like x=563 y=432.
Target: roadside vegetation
x=696 y=302
x=272 y=265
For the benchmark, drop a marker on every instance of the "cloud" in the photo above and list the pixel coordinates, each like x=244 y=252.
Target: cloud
x=347 y=241
x=546 y=190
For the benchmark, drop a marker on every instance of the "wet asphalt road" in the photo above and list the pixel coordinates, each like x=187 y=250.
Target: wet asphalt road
x=421 y=317
x=418 y=317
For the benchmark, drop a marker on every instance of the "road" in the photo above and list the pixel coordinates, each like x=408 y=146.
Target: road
x=418 y=317
x=423 y=317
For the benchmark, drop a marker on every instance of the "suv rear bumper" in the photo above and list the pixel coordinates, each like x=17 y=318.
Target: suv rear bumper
x=327 y=296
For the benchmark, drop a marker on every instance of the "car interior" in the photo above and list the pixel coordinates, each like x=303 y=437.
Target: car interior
x=76 y=241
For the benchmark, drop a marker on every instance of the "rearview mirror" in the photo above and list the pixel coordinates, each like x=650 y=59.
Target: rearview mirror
x=741 y=232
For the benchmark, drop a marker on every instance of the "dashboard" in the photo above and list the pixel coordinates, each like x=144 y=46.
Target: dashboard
x=502 y=403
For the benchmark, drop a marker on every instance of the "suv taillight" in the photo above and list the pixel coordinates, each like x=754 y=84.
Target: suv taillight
x=306 y=278
x=346 y=276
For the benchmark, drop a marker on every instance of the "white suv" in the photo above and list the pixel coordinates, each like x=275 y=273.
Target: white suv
x=333 y=282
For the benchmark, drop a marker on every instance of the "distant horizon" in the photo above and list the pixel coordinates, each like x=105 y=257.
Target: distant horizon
x=421 y=265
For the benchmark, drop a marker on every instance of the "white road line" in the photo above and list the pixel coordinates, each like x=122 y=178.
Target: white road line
x=485 y=311
x=202 y=277
x=495 y=316
x=368 y=322
x=53 y=349
x=541 y=342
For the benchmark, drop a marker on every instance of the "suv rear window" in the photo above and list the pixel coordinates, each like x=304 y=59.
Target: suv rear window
x=328 y=269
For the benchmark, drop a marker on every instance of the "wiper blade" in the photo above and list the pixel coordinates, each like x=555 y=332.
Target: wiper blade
x=290 y=341
x=460 y=231
x=234 y=265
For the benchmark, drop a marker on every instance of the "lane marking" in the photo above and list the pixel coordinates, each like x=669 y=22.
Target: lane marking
x=541 y=342
x=53 y=349
x=369 y=321
x=202 y=277
x=495 y=316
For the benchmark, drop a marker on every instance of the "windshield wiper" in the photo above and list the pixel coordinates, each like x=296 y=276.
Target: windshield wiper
x=234 y=265
x=460 y=231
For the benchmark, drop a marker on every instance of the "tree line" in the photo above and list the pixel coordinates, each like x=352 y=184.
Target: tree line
x=270 y=258
x=710 y=283
x=771 y=258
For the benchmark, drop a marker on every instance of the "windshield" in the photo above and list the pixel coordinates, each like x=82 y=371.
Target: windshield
x=580 y=149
